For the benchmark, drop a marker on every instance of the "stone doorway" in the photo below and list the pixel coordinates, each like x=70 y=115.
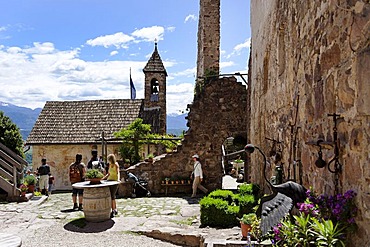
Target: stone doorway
x=233 y=161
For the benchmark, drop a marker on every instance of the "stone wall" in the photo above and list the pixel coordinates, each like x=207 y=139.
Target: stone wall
x=218 y=112
x=311 y=59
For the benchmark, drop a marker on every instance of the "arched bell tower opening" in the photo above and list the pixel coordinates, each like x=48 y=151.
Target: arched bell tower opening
x=155 y=89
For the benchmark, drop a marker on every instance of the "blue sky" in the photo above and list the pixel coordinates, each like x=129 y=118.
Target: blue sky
x=84 y=49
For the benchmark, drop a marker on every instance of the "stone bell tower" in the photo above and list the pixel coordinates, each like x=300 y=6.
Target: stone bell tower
x=155 y=89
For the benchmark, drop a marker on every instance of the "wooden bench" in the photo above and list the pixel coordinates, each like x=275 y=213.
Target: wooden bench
x=174 y=185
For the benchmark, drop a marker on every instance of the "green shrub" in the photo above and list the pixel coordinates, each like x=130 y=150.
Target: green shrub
x=246 y=203
x=248 y=189
x=217 y=213
x=222 y=208
x=225 y=195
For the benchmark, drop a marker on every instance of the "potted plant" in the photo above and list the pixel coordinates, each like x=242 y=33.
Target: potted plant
x=94 y=176
x=30 y=181
x=24 y=189
x=246 y=223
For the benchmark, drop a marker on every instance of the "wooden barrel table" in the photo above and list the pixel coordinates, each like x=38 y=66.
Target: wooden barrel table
x=96 y=200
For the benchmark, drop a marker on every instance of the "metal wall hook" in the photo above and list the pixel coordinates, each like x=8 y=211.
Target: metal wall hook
x=320 y=162
x=337 y=166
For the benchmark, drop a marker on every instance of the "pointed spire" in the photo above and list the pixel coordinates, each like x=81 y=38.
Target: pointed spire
x=155 y=63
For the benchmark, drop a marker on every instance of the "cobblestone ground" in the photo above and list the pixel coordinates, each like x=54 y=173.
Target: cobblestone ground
x=52 y=223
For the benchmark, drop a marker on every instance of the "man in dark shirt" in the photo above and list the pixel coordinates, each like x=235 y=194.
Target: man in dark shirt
x=95 y=162
x=44 y=171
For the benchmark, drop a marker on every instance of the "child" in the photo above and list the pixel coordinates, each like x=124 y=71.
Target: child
x=51 y=183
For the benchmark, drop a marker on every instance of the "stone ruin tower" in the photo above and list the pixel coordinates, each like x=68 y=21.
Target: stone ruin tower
x=208 y=60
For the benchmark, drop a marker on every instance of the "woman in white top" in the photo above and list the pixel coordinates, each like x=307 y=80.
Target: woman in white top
x=198 y=176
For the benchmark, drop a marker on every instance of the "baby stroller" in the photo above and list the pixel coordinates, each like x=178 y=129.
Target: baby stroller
x=140 y=185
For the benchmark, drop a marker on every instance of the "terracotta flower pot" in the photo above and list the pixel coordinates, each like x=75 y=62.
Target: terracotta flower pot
x=31 y=188
x=94 y=180
x=245 y=229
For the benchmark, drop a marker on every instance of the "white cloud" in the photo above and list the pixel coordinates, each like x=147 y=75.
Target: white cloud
x=240 y=47
x=226 y=64
x=149 y=34
x=168 y=64
x=2 y=29
x=118 y=40
x=41 y=48
x=171 y=29
x=113 y=53
x=246 y=44
x=41 y=73
x=190 y=18
x=188 y=72
x=177 y=103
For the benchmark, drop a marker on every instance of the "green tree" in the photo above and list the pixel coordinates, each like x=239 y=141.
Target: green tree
x=10 y=135
x=134 y=134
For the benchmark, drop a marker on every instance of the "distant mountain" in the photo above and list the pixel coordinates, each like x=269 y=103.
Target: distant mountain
x=176 y=121
x=25 y=118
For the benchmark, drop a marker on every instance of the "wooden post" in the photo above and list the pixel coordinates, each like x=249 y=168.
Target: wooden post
x=14 y=180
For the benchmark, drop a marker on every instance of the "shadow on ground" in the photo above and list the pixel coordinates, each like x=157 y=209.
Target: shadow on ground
x=70 y=210
x=81 y=225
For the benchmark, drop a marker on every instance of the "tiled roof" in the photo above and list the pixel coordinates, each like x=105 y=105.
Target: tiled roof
x=64 y=122
x=155 y=63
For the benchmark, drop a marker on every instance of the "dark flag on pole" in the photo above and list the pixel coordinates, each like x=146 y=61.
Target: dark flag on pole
x=132 y=88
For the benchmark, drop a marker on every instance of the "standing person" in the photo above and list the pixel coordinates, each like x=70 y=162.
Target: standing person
x=43 y=171
x=95 y=162
x=113 y=175
x=77 y=171
x=51 y=183
x=198 y=176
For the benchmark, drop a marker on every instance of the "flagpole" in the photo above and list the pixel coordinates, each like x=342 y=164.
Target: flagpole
x=132 y=87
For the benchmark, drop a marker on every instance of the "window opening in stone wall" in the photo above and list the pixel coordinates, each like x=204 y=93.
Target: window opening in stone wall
x=154 y=90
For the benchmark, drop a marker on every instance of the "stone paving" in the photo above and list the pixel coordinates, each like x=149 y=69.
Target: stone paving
x=146 y=221
x=51 y=222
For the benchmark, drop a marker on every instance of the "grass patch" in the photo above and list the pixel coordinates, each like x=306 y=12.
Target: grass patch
x=188 y=221
x=131 y=233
